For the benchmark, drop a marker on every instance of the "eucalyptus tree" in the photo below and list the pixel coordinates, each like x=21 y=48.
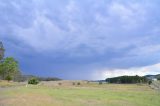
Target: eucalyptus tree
x=8 y=66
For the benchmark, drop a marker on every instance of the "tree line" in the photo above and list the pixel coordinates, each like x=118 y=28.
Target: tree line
x=127 y=79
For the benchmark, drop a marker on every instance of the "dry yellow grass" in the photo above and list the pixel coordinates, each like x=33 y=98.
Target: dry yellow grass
x=67 y=94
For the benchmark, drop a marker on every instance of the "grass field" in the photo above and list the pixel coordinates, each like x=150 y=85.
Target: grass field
x=66 y=94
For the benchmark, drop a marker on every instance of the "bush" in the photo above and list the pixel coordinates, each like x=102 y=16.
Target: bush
x=73 y=83
x=33 y=81
x=59 y=83
x=149 y=82
x=8 y=78
x=78 y=83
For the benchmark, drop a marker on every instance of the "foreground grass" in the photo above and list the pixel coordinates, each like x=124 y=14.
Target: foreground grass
x=83 y=95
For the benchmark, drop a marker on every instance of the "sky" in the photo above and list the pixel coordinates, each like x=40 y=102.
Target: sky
x=82 y=39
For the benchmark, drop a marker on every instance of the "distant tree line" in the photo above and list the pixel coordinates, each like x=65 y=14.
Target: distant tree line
x=22 y=78
x=127 y=79
x=48 y=78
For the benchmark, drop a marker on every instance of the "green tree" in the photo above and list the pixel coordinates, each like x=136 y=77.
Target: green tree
x=8 y=68
x=8 y=78
x=33 y=81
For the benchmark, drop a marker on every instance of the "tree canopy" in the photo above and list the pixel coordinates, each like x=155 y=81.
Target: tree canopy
x=8 y=68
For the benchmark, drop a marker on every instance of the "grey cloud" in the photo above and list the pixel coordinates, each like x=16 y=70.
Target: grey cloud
x=109 y=34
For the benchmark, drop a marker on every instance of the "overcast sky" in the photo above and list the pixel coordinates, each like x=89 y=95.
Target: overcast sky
x=82 y=39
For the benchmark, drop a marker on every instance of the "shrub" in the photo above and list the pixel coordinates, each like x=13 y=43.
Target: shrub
x=149 y=82
x=8 y=78
x=78 y=83
x=73 y=83
x=59 y=83
x=33 y=81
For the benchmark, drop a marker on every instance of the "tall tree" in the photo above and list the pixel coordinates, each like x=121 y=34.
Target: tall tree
x=9 y=67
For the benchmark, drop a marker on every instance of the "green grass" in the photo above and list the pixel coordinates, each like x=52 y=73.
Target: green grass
x=83 y=95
